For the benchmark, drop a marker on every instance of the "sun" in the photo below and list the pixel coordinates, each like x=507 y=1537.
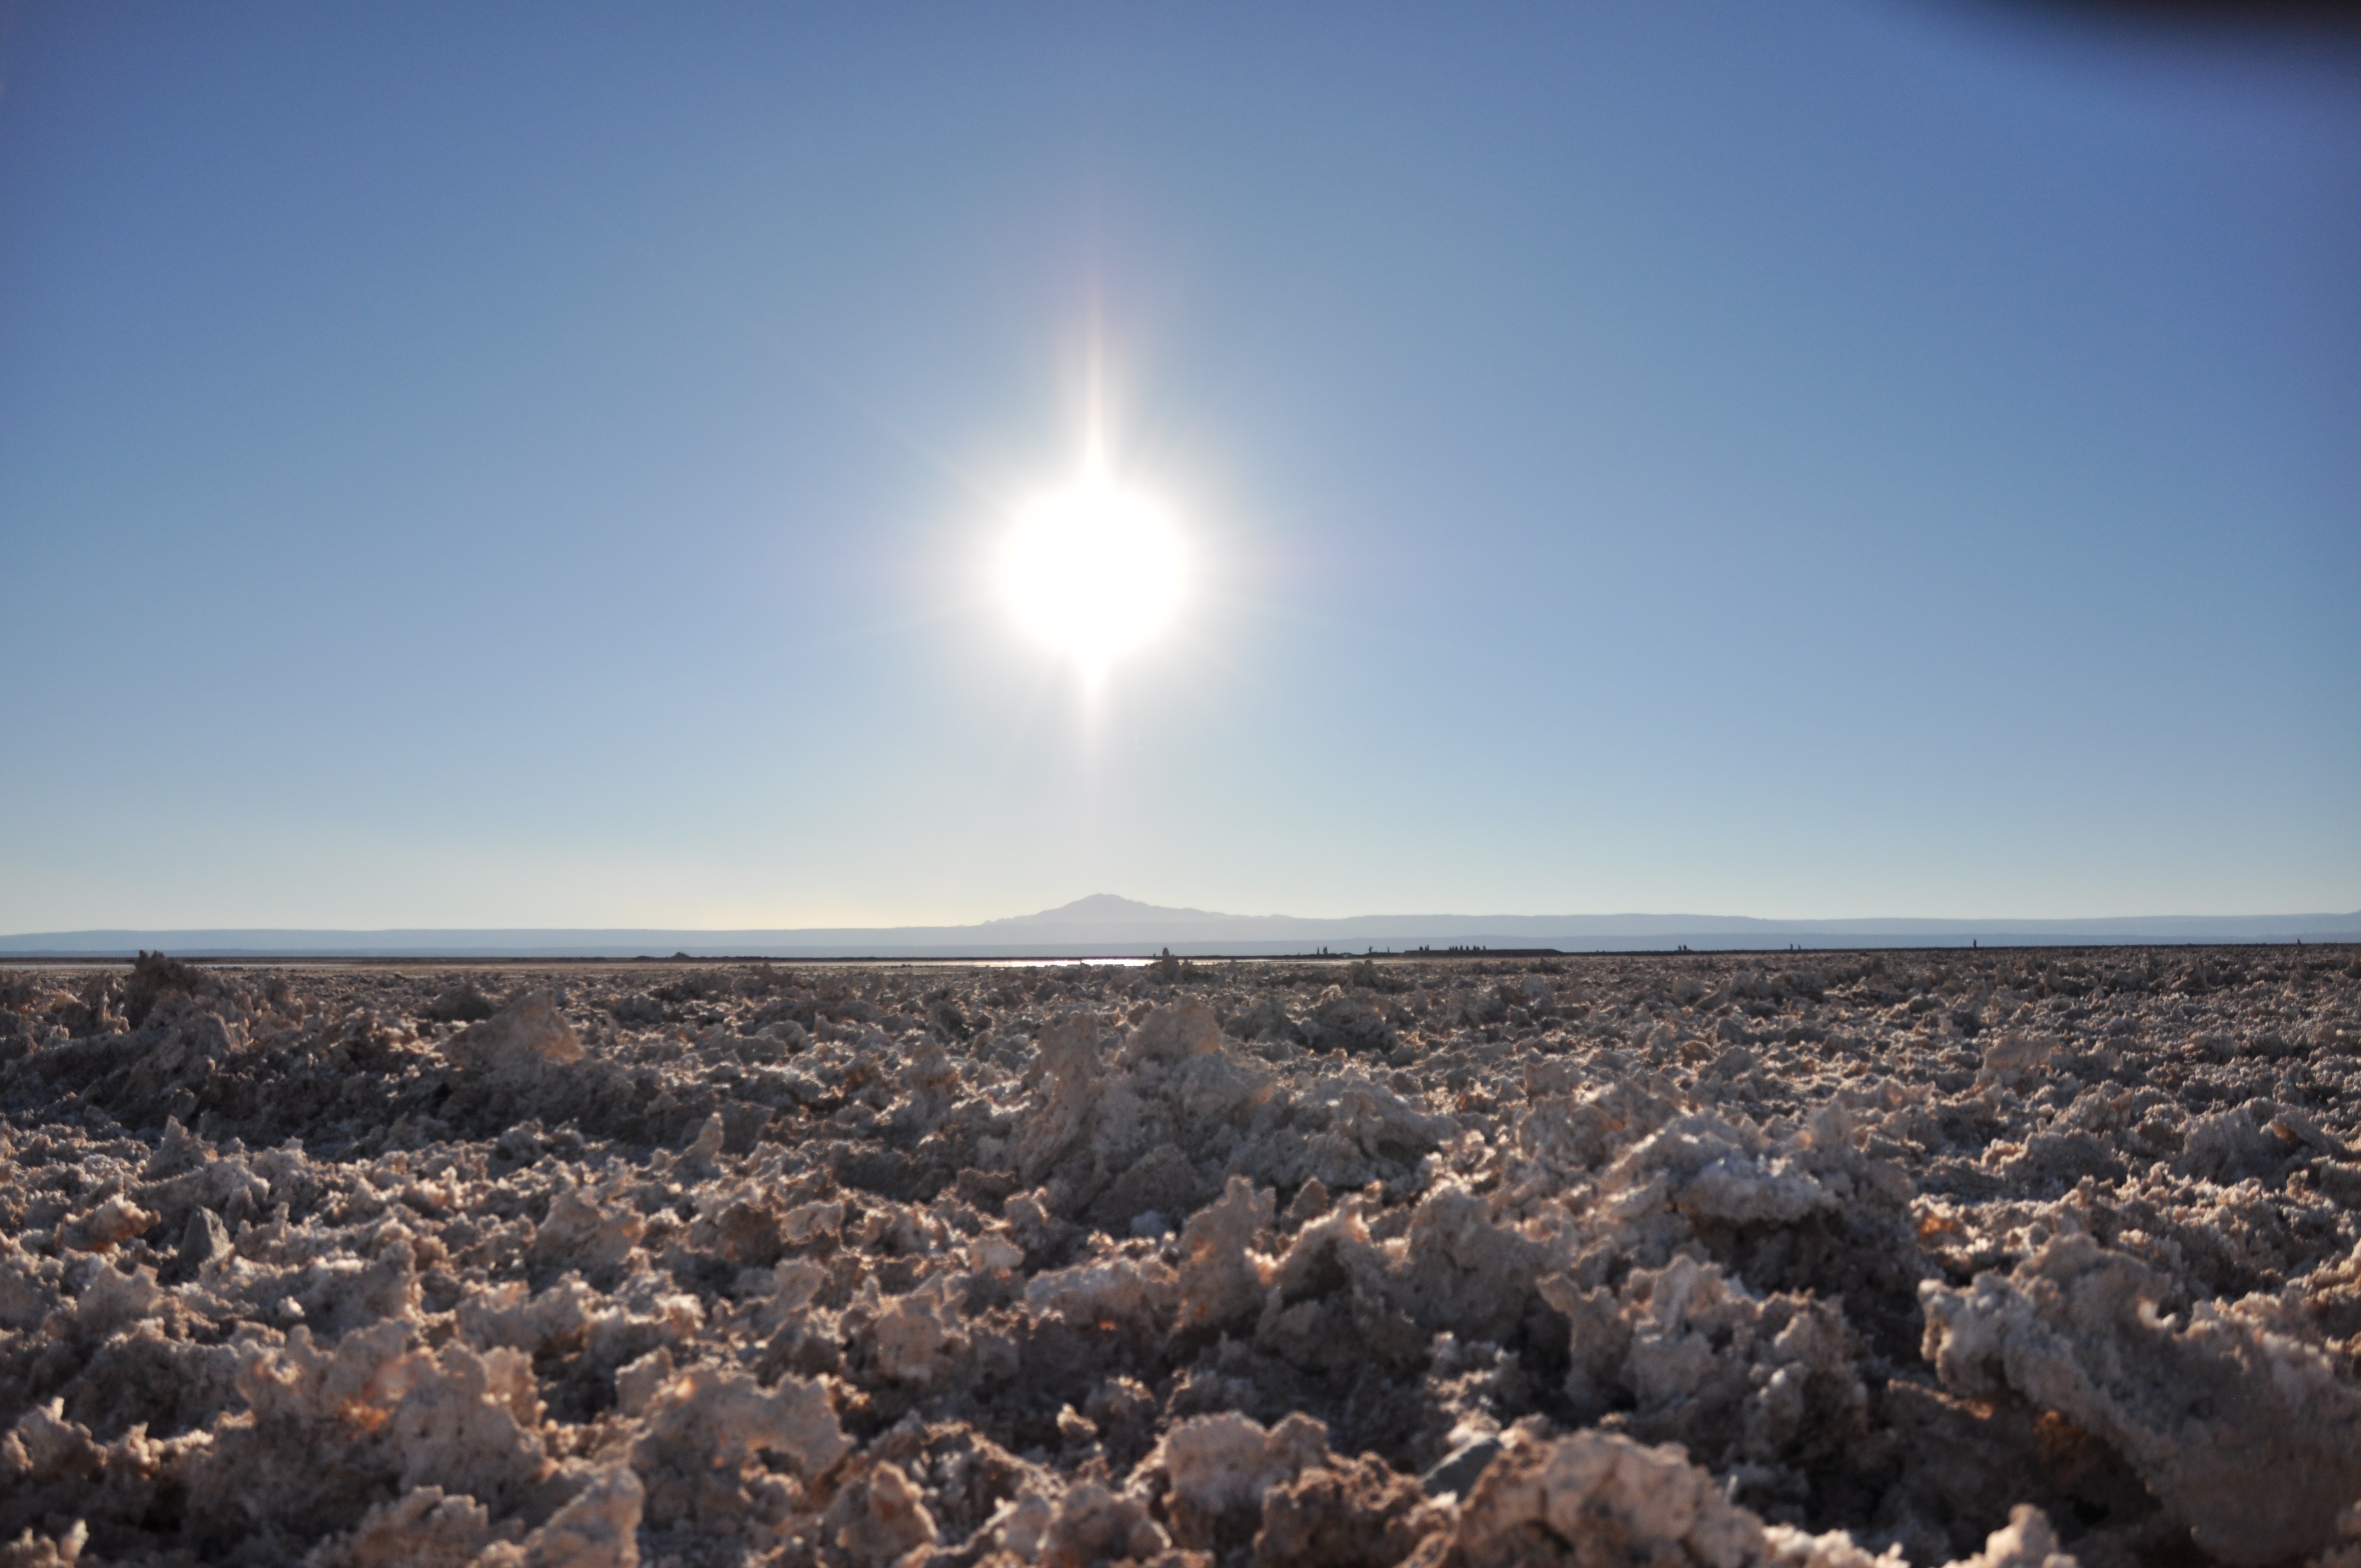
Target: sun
x=1094 y=570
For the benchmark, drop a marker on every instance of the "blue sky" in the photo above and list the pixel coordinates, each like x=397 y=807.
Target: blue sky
x=503 y=466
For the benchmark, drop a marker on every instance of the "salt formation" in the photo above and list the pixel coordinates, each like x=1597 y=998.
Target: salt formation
x=2001 y=1260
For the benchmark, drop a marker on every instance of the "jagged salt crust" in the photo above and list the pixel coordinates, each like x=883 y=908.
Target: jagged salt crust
x=1995 y=1259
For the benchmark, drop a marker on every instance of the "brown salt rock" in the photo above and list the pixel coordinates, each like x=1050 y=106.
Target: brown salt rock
x=326 y=1427
x=1699 y=1359
x=1093 y=1524
x=2014 y=1058
x=1457 y=1271
x=422 y=1529
x=1600 y=1500
x=598 y=1528
x=1231 y=1483
x=586 y=1235
x=1217 y=1469
x=52 y=1469
x=31 y=1551
x=1222 y=1278
x=527 y=1036
x=1352 y=1513
x=2026 y=1541
x=1595 y=1500
x=878 y=1516
x=918 y=1337
x=1109 y=1289
x=1135 y=1129
x=109 y=1225
x=2245 y=1435
x=702 y=1430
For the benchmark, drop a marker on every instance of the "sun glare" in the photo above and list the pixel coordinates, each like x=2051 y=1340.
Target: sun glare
x=1094 y=570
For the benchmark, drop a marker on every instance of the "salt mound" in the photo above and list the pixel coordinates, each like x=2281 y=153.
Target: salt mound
x=528 y=1033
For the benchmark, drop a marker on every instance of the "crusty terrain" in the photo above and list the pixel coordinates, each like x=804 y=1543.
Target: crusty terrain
x=2004 y=1258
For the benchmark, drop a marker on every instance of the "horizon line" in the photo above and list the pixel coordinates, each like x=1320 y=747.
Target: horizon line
x=1152 y=913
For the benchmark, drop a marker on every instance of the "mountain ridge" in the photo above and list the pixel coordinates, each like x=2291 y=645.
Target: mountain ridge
x=1103 y=924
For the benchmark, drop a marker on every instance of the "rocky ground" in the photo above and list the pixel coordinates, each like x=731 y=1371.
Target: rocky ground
x=1732 y=1261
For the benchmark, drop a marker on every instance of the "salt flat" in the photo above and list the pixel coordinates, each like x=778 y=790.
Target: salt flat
x=1723 y=1260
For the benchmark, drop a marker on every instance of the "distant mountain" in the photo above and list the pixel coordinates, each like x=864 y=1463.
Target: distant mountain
x=1104 y=924
x=1107 y=911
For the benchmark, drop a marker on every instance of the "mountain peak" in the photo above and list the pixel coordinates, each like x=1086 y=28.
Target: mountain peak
x=1101 y=906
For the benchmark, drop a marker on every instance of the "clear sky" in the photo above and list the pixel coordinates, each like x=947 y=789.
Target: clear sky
x=496 y=465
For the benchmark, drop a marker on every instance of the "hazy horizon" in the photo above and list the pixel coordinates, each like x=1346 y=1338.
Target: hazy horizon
x=1111 y=925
